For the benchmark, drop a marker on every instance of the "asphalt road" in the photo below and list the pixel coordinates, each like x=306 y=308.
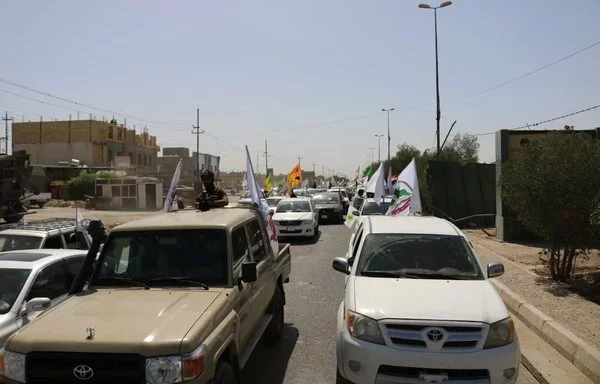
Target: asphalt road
x=307 y=352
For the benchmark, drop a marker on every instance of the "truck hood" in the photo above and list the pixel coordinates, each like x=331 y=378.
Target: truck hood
x=146 y=322
x=290 y=216
x=421 y=299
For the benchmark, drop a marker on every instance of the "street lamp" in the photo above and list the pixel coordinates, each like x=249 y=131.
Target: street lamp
x=437 y=76
x=388 y=121
x=379 y=145
x=372 y=154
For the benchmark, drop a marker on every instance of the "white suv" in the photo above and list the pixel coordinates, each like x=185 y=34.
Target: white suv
x=418 y=308
x=47 y=234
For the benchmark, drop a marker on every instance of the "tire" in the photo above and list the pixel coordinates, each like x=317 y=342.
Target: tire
x=224 y=374
x=339 y=379
x=41 y=205
x=315 y=236
x=341 y=219
x=274 y=330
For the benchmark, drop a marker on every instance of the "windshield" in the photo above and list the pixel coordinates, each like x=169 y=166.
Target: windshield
x=11 y=283
x=417 y=255
x=273 y=202
x=293 y=206
x=18 y=242
x=326 y=199
x=370 y=208
x=152 y=256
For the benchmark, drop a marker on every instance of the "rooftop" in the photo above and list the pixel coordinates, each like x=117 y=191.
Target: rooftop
x=410 y=224
x=31 y=258
x=39 y=226
x=218 y=217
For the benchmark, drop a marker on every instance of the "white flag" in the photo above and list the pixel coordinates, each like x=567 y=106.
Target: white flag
x=245 y=182
x=376 y=185
x=79 y=223
x=389 y=187
x=173 y=189
x=261 y=204
x=407 y=191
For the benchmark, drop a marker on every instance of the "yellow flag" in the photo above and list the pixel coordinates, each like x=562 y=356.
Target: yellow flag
x=295 y=177
x=268 y=183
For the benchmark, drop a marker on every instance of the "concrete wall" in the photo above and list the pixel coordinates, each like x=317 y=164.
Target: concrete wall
x=52 y=153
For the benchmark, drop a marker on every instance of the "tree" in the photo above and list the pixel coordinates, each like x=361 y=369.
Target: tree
x=464 y=147
x=85 y=184
x=552 y=187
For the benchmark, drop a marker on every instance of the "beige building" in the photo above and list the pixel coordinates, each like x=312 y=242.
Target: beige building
x=93 y=143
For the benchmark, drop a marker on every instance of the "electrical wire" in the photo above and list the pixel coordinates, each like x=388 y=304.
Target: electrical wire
x=527 y=126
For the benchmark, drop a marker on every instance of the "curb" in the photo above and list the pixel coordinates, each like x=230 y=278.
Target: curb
x=572 y=347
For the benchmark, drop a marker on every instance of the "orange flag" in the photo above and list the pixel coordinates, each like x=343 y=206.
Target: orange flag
x=295 y=177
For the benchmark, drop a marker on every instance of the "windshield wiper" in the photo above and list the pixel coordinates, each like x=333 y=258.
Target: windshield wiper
x=180 y=279
x=388 y=274
x=129 y=280
x=412 y=275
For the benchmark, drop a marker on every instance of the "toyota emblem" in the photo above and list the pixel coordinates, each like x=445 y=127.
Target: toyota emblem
x=83 y=372
x=435 y=335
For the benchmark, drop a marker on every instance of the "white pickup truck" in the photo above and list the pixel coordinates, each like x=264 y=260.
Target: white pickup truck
x=40 y=199
x=418 y=308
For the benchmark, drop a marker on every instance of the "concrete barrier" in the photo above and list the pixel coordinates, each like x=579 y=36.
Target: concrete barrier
x=585 y=357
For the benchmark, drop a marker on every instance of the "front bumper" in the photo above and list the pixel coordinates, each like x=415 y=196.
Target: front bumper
x=381 y=364
x=295 y=230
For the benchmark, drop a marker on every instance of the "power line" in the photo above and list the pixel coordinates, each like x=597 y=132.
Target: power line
x=525 y=74
x=527 y=126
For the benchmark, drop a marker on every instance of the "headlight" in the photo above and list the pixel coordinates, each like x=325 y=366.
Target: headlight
x=500 y=334
x=12 y=365
x=175 y=369
x=363 y=328
x=305 y=222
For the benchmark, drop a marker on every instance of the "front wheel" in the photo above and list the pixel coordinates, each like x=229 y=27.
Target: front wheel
x=224 y=374
x=274 y=330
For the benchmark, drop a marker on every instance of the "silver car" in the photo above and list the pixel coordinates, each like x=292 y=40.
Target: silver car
x=32 y=281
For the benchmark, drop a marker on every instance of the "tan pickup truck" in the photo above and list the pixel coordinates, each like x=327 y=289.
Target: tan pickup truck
x=176 y=297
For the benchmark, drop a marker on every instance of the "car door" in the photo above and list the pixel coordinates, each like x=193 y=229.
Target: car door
x=264 y=287
x=243 y=303
x=52 y=282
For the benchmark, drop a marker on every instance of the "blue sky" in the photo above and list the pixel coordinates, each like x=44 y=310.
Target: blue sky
x=278 y=70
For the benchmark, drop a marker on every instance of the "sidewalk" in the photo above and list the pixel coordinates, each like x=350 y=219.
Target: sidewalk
x=578 y=315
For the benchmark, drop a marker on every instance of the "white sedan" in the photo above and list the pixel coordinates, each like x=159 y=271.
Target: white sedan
x=296 y=217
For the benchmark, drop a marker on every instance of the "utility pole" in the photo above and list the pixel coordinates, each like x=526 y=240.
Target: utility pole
x=266 y=160
x=6 y=120
x=314 y=167
x=323 y=171
x=379 y=145
x=197 y=131
x=388 y=128
x=299 y=158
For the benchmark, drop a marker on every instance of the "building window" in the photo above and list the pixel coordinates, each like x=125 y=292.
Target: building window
x=110 y=133
x=131 y=158
x=139 y=159
x=110 y=155
x=145 y=160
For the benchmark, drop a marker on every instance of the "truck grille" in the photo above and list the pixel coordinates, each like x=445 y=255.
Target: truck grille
x=475 y=376
x=108 y=368
x=290 y=223
x=436 y=337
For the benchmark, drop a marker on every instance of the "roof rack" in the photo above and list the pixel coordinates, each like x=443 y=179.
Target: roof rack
x=42 y=225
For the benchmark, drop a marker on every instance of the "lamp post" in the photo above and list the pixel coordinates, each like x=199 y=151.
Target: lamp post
x=372 y=154
x=379 y=145
x=388 y=127
x=437 y=76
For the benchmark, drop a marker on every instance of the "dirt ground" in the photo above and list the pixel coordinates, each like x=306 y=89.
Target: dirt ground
x=586 y=278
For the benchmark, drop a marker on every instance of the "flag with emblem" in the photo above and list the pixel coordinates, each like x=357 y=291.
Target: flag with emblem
x=407 y=191
x=268 y=183
x=295 y=177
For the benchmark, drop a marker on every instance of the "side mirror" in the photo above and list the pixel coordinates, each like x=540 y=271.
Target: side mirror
x=495 y=270
x=36 y=305
x=340 y=264
x=249 y=274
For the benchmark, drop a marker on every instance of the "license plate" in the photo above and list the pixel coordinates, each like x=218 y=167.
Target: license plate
x=324 y=216
x=426 y=378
